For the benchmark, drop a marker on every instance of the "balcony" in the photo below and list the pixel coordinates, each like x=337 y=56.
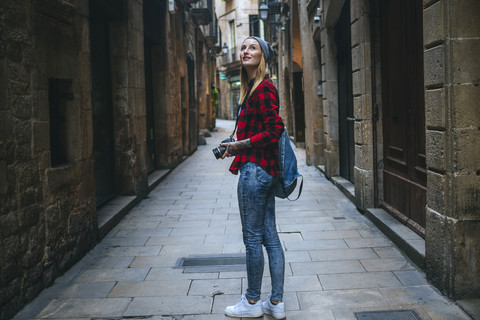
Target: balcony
x=231 y=56
x=202 y=12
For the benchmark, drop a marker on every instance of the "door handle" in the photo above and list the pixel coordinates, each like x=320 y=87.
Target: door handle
x=351 y=119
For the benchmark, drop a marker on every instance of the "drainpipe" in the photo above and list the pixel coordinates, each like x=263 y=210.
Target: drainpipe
x=373 y=17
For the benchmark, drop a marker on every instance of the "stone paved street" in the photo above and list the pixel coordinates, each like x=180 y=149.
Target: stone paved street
x=338 y=262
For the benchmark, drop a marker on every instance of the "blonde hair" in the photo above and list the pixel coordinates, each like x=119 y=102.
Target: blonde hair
x=261 y=72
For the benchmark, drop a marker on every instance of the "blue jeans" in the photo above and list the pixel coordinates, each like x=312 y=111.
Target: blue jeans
x=257 y=212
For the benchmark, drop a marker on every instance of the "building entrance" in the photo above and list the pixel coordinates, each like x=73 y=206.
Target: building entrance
x=403 y=111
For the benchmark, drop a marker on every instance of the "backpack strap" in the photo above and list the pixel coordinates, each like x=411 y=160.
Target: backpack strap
x=299 y=192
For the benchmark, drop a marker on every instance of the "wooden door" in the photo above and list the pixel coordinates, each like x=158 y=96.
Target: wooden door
x=102 y=111
x=403 y=111
x=345 y=94
x=192 y=106
x=299 y=104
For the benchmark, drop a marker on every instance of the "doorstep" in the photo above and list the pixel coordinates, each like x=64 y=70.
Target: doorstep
x=402 y=236
x=110 y=214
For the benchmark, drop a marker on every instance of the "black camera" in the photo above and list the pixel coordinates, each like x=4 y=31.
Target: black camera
x=220 y=150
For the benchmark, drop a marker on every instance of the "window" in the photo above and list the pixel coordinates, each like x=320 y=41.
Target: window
x=59 y=96
x=254 y=24
x=232 y=35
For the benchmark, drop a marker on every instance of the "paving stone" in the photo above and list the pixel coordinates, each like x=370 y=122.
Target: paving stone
x=158 y=261
x=168 y=273
x=156 y=241
x=309 y=314
x=132 y=233
x=134 y=251
x=343 y=254
x=87 y=290
x=163 y=306
x=349 y=314
x=387 y=264
x=212 y=287
x=302 y=283
x=123 y=274
x=388 y=252
x=87 y=308
x=444 y=311
x=359 y=280
x=326 y=267
x=297 y=256
x=324 y=235
x=126 y=289
x=412 y=295
x=315 y=245
x=340 y=299
x=368 y=243
x=124 y=242
x=186 y=250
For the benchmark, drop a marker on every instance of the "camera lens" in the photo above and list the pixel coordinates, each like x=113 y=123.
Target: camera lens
x=219 y=151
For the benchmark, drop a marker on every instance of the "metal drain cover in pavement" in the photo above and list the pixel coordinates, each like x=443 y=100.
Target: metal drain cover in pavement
x=212 y=263
x=388 y=315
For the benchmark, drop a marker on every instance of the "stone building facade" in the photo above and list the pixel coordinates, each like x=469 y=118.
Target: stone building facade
x=236 y=21
x=96 y=97
x=391 y=115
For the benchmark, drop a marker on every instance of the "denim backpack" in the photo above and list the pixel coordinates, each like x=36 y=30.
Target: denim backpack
x=287 y=163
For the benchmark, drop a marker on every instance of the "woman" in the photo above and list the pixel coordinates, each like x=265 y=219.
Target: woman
x=258 y=131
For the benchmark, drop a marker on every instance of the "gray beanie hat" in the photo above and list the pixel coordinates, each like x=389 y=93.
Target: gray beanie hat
x=266 y=48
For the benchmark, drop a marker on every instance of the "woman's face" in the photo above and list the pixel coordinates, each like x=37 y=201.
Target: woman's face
x=250 y=53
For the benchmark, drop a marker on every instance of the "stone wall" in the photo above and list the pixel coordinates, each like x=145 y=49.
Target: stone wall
x=47 y=217
x=362 y=100
x=452 y=92
x=314 y=138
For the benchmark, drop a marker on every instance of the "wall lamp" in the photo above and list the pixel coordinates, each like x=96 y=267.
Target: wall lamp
x=318 y=17
x=216 y=52
x=224 y=49
x=263 y=10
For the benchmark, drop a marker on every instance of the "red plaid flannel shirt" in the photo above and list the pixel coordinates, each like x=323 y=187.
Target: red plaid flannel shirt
x=259 y=121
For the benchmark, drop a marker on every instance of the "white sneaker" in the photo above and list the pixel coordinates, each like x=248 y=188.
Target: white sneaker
x=276 y=310
x=243 y=308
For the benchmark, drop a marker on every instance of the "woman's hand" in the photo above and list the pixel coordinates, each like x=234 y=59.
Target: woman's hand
x=233 y=148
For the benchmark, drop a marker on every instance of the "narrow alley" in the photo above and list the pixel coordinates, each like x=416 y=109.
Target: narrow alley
x=338 y=262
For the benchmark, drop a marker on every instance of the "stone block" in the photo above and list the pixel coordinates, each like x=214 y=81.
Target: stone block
x=467 y=196
x=361 y=56
x=467 y=151
x=63 y=177
x=359 y=9
x=467 y=249
x=3 y=85
x=466 y=111
x=436 y=191
x=465 y=59
x=362 y=82
x=435 y=149
x=435 y=244
x=364 y=156
x=6 y=127
x=364 y=191
x=363 y=132
x=21 y=107
x=464 y=18
x=361 y=31
x=433 y=24
x=434 y=66
x=362 y=107
x=435 y=108
x=41 y=137
x=3 y=178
